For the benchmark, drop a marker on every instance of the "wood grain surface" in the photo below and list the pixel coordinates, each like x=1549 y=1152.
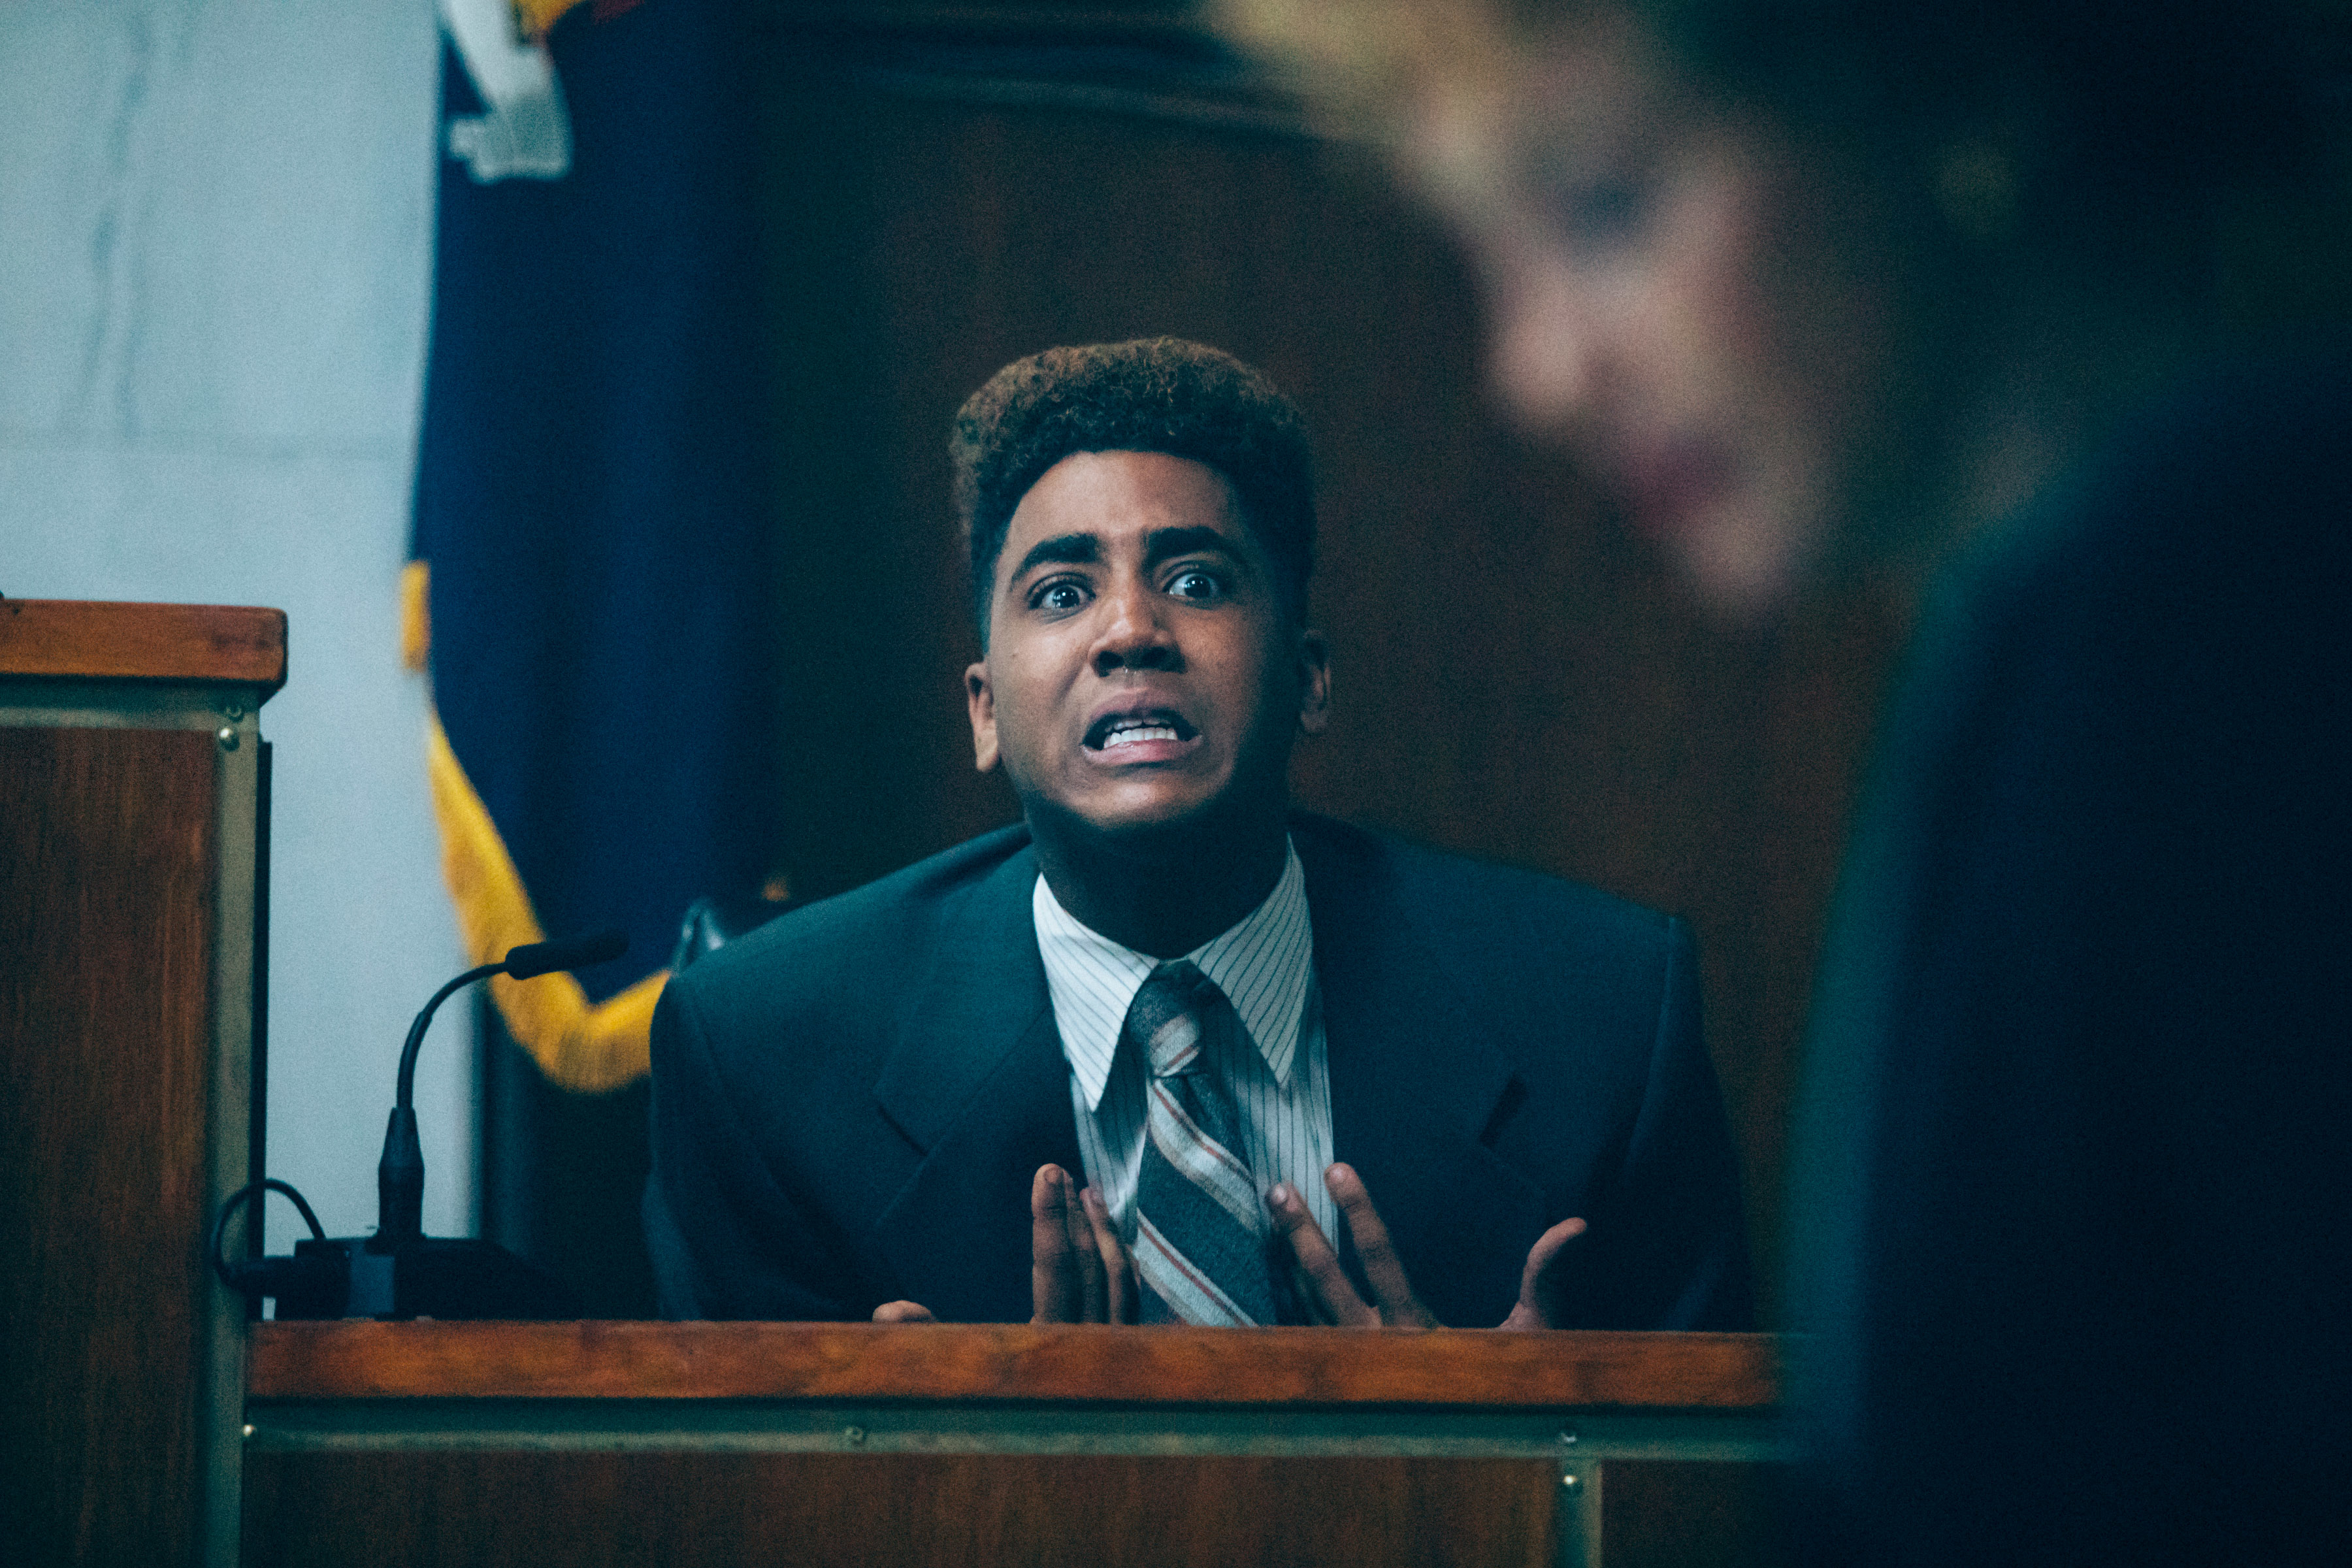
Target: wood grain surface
x=816 y=1511
x=1300 y=1367
x=146 y=642
x=107 y=851
x=1676 y=1511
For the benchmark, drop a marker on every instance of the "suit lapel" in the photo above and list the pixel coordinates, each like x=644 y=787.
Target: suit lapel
x=978 y=1083
x=1416 y=1079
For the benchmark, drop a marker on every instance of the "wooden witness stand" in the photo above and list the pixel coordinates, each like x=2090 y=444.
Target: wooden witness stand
x=133 y=885
x=821 y=1444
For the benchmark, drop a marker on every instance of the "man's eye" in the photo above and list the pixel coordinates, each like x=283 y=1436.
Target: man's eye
x=1193 y=582
x=1058 y=597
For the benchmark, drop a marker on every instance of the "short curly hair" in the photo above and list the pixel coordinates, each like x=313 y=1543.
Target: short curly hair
x=1148 y=394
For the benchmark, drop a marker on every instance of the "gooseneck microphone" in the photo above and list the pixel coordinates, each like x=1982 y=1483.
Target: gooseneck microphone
x=400 y=1175
x=401 y=1272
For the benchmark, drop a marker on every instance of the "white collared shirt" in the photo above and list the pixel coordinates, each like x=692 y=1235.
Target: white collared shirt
x=1281 y=1089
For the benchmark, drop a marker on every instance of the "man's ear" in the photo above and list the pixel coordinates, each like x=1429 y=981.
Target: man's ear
x=1314 y=683
x=981 y=700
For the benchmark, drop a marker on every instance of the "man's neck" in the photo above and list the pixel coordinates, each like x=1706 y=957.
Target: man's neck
x=1165 y=893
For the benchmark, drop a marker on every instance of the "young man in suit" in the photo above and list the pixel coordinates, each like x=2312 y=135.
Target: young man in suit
x=1245 y=1063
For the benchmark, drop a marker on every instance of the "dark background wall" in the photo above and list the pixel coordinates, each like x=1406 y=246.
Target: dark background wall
x=1514 y=679
x=946 y=190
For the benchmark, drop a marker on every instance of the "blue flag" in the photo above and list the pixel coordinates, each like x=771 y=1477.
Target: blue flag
x=592 y=568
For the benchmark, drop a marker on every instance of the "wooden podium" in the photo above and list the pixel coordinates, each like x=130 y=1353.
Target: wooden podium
x=588 y=1444
x=134 y=812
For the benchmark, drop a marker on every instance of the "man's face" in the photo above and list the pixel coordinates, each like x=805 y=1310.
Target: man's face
x=1141 y=673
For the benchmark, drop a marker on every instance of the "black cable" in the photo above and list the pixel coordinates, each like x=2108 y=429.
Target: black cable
x=229 y=1205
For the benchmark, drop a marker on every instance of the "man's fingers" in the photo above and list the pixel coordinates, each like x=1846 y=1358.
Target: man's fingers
x=1325 y=1277
x=1086 y=1255
x=1391 y=1292
x=1118 y=1266
x=903 y=1313
x=1534 y=1309
x=1055 y=1290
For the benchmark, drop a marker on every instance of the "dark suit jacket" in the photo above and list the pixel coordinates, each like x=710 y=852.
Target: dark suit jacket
x=2075 y=1221
x=850 y=1104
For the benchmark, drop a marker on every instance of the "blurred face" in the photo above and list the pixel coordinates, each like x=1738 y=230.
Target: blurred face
x=1141 y=673
x=1670 y=296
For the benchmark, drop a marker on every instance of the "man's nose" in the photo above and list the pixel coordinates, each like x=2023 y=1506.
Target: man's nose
x=1134 y=636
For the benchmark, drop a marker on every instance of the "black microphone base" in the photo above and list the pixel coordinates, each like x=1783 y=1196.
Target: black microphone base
x=430 y=1277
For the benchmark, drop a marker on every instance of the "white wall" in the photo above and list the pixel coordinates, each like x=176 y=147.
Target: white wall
x=215 y=235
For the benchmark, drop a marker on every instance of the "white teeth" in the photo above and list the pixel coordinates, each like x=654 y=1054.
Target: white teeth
x=1140 y=732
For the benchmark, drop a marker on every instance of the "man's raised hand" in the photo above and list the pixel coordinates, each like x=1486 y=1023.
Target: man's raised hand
x=1332 y=1296
x=1080 y=1270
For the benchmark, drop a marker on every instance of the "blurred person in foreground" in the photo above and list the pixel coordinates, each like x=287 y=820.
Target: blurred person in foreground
x=1827 y=290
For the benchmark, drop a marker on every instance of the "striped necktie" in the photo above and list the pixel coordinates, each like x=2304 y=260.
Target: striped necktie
x=1199 y=1226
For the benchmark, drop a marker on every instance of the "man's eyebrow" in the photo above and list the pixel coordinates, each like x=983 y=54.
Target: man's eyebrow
x=1163 y=542
x=1064 y=549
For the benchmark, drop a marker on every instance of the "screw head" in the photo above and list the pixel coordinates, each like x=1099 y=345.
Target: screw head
x=1569 y=1482
x=853 y=1433
x=1567 y=1437
x=234 y=710
x=226 y=736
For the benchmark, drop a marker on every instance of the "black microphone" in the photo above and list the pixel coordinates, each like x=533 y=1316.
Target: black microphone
x=400 y=1175
x=534 y=958
x=401 y=1272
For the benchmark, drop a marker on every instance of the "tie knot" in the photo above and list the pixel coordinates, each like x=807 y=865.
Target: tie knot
x=1164 y=1019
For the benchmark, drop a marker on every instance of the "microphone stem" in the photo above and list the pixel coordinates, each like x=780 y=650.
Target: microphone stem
x=400 y=1175
x=407 y=1097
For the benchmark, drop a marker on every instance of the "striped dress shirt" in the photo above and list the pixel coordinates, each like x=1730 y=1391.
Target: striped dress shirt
x=1279 y=1076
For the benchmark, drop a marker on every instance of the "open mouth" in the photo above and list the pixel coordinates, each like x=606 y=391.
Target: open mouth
x=1112 y=732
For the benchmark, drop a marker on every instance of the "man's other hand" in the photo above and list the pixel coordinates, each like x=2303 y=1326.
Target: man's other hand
x=1333 y=1296
x=1080 y=1270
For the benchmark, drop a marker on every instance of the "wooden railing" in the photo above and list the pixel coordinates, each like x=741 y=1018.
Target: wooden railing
x=822 y=1443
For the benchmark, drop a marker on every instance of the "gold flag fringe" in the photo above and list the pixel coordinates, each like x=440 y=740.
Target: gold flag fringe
x=590 y=1050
